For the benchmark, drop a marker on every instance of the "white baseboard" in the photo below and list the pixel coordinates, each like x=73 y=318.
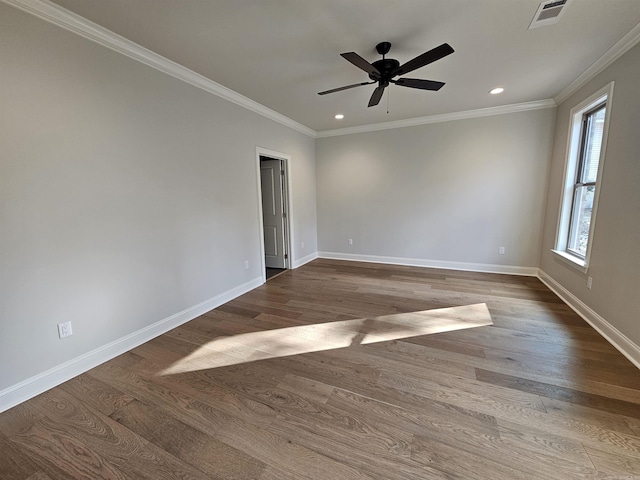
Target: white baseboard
x=419 y=262
x=301 y=261
x=29 y=388
x=614 y=336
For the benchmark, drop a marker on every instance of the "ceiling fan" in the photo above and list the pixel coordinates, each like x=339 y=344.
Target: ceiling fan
x=382 y=71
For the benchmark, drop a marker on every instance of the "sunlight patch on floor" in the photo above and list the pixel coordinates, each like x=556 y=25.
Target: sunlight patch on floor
x=249 y=347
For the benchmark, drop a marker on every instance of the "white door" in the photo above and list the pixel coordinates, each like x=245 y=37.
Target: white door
x=271 y=178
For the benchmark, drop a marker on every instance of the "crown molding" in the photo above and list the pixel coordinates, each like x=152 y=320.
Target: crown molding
x=72 y=22
x=621 y=47
x=445 y=117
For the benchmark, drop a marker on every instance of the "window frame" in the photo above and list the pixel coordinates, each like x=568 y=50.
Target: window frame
x=572 y=170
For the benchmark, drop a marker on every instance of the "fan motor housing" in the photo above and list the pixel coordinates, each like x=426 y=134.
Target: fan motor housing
x=386 y=67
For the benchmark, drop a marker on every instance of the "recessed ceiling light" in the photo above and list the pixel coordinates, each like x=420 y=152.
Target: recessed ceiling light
x=339 y=116
x=496 y=91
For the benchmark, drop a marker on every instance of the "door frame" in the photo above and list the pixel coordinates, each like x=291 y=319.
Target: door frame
x=286 y=203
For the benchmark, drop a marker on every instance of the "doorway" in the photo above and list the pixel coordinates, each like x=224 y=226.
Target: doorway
x=275 y=215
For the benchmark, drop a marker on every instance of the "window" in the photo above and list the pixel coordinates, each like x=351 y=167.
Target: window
x=584 y=188
x=585 y=157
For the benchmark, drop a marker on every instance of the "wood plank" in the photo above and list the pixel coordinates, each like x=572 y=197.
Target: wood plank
x=15 y=463
x=307 y=388
x=19 y=418
x=211 y=456
x=416 y=420
x=465 y=393
x=186 y=404
x=595 y=417
x=285 y=454
x=92 y=445
x=468 y=466
x=598 y=402
x=39 y=476
x=540 y=369
x=99 y=395
x=614 y=464
x=61 y=454
x=347 y=450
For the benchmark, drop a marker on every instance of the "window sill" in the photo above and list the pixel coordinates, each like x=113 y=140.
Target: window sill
x=575 y=262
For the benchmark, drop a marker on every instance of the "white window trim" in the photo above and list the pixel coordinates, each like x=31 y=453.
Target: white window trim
x=570 y=166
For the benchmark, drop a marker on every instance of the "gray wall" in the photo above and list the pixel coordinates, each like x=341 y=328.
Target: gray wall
x=126 y=195
x=454 y=191
x=615 y=258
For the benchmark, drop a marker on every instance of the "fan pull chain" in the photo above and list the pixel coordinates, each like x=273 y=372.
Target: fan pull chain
x=388 y=95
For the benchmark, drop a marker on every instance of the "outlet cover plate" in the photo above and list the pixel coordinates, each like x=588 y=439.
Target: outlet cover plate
x=64 y=329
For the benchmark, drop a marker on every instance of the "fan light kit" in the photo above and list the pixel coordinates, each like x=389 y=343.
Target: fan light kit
x=382 y=71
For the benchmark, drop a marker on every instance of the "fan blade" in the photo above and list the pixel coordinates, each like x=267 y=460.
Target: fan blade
x=417 y=83
x=377 y=95
x=425 y=59
x=345 y=88
x=361 y=63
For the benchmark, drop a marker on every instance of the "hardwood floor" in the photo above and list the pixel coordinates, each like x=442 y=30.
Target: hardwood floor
x=341 y=370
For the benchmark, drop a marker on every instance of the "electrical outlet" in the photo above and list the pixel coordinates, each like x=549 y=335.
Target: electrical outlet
x=246 y=264
x=64 y=329
x=501 y=251
x=589 y=282
x=350 y=241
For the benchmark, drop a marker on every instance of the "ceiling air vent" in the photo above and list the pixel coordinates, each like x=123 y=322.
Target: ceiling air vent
x=548 y=12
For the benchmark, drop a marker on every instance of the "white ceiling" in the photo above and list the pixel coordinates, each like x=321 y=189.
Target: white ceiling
x=280 y=53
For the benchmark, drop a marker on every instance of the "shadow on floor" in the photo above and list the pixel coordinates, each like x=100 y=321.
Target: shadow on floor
x=274 y=272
